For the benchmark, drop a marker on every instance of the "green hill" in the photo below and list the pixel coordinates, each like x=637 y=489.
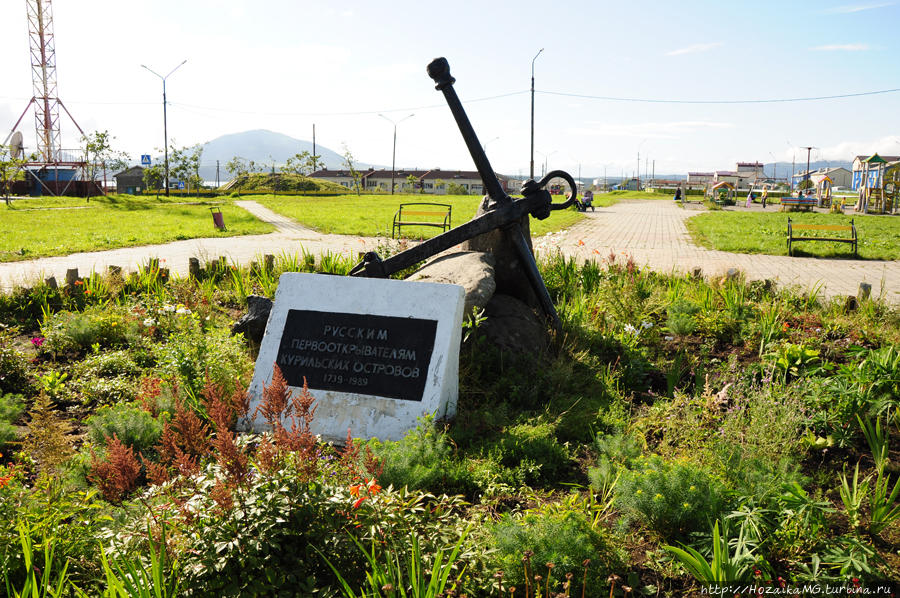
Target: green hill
x=262 y=182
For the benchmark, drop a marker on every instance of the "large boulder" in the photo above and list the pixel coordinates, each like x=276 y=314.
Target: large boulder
x=514 y=326
x=472 y=270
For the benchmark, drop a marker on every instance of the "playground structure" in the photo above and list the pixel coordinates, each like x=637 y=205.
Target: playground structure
x=824 y=188
x=878 y=189
x=722 y=193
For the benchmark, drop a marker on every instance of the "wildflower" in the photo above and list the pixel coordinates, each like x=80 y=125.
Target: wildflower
x=658 y=496
x=580 y=242
x=646 y=324
x=785 y=326
x=354 y=490
x=630 y=329
x=374 y=488
x=669 y=338
x=38 y=341
x=686 y=505
x=692 y=488
x=639 y=491
x=148 y=322
x=167 y=308
x=597 y=251
x=358 y=502
x=78 y=283
x=113 y=323
x=183 y=311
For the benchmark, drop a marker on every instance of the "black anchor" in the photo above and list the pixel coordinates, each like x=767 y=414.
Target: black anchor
x=504 y=212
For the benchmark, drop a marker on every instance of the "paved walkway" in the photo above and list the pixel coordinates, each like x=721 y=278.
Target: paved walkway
x=654 y=234
x=651 y=232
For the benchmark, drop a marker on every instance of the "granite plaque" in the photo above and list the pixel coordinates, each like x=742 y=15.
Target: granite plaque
x=376 y=354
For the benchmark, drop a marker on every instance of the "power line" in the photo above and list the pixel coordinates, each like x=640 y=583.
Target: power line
x=758 y=101
x=350 y=113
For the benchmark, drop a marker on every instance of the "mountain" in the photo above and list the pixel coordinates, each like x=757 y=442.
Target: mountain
x=262 y=147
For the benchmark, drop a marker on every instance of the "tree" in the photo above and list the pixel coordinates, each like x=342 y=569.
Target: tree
x=456 y=189
x=411 y=181
x=439 y=184
x=303 y=163
x=99 y=155
x=348 y=162
x=184 y=165
x=154 y=177
x=10 y=167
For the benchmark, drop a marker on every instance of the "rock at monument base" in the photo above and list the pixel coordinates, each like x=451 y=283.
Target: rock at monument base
x=510 y=276
x=513 y=326
x=253 y=323
x=472 y=270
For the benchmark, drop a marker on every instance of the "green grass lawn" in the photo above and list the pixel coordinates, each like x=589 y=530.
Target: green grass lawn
x=373 y=215
x=749 y=232
x=29 y=228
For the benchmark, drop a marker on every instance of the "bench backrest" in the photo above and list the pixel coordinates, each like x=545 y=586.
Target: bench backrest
x=412 y=209
x=832 y=227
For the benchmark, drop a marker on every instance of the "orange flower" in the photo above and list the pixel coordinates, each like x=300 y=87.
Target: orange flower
x=580 y=242
x=374 y=488
x=354 y=490
x=358 y=502
x=78 y=283
x=597 y=251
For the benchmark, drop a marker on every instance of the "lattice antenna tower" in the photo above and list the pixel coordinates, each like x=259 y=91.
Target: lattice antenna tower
x=43 y=78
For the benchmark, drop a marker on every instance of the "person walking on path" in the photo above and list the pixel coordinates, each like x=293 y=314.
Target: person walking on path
x=588 y=200
x=765 y=196
x=677 y=194
x=750 y=197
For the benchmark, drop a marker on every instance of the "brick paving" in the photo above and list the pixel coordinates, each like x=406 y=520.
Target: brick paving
x=651 y=232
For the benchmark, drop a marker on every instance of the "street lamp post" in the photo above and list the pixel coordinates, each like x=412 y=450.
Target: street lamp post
x=165 y=127
x=486 y=143
x=394 y=151
x=532 y=112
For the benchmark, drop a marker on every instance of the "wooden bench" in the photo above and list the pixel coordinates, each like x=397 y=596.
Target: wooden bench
x=422 y=214
x=809 y=201
x=822 y=227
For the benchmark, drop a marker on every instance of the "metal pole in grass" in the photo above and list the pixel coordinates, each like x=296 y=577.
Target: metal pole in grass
x=394 y=152
x=531 y=170
x=165 y=127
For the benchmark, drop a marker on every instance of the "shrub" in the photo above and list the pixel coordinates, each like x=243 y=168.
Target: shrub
x=13 y=367
x=106 y=326
x=564 y=539
x=673 y=499
x=193 y=354
x=422 y=460
x=535 y=443
x=10 y=411
x=456 y=189
x=133 y=426
x=108 y=365
x=681 y=317
x=107 y=391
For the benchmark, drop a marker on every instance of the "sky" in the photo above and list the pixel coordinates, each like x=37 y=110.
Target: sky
x=286 y=65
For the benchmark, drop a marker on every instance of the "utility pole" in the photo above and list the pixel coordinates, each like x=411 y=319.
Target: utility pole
x=394 y=152
x=653 y=176
x=793 y=159
x=315 y=162
x=165 y=126
x=217 y=174
x=639 y=171
x=808 y=149
x=531 y=170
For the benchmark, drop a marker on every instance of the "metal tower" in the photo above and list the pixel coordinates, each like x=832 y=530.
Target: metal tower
x=43 y=78
x=45 y=99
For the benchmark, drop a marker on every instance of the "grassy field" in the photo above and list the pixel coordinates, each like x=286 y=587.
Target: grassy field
x=33 y=228
x=372 y=215
x=744 y=232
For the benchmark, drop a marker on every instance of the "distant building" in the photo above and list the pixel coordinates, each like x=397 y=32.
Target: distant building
x=750 y=170
x=434 y=181
x=130 y=180
x=700 y=178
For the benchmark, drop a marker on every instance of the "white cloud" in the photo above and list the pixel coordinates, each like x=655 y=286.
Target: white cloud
x=649 y=130
x=851 y=8
x=841 y=48
x=888 y=146
x=694 y=48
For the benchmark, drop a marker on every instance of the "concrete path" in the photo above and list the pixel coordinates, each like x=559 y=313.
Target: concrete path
x=289 y=237
x=653 y=233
